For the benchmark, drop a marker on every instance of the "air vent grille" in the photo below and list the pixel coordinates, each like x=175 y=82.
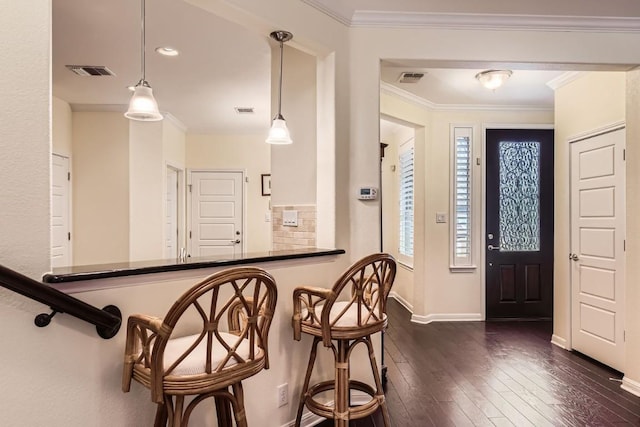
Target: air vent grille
x=244 y=110
x=410 y=77
x=91 y=70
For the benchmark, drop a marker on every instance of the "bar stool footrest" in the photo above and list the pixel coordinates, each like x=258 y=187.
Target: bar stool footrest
x=355 y=412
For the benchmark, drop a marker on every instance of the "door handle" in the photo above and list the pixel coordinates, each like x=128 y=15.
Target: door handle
x=235 y=241
x=493 y=248
x=574 y=257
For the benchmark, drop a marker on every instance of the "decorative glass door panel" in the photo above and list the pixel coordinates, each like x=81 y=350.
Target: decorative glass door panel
x=519 y=196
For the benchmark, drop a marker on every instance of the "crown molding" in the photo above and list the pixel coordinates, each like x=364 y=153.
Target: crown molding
x=564 y=79
x=480 y=21
x=175 y=121
x=346 y=20
x=389 y=89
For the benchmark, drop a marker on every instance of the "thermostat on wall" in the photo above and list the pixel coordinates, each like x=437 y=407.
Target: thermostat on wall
x=368 y=193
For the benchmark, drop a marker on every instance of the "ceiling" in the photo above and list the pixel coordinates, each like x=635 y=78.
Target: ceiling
x=222 y=65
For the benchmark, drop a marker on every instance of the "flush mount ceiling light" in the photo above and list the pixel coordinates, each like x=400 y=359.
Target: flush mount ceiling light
x=493 y=79
x=143 y=106
x=167 y=51
x=279 y=134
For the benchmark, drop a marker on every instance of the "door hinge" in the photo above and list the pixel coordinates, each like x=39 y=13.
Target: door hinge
x=68 y=176
x=69 y=236
x=246 y=179
x=624 y=245
x=624 y=154
x=624 y=336
x=189 y=187
x=189 y=233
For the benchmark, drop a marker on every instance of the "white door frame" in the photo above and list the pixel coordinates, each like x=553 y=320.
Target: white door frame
x=579 y=137
x=181 y=204
x=483 y=202
x=69 y=203
x=243 y=243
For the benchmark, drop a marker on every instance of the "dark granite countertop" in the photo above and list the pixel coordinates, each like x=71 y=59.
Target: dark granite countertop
x=101 y=271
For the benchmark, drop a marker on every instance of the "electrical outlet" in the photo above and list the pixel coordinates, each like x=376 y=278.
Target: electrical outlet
x=283 y=394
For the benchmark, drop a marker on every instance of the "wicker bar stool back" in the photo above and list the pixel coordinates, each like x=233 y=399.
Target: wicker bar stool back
x=233 y=310
x=342 y=317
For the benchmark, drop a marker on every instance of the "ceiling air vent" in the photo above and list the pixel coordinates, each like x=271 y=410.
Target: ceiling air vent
x=244 y=110
x=91 y=70
x=408 y=77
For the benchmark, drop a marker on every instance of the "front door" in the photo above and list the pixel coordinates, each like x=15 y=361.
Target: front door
x=597 y=247
x=519 y=224
x=216 y=213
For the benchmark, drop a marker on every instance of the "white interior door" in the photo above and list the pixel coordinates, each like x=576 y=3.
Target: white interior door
x=597 y=247
x=171 y=215
x=60 y=212
x=216 y=213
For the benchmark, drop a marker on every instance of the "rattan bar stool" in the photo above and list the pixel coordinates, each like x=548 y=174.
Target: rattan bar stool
x=343 y=317
x=235 y=308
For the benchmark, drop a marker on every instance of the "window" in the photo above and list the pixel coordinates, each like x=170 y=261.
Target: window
x=461 y=196
x=406 y=161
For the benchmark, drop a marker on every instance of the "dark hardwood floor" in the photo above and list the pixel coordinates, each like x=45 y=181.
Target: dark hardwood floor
x=494 y=374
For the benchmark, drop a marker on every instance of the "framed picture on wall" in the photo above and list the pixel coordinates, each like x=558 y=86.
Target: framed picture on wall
x=266 y=184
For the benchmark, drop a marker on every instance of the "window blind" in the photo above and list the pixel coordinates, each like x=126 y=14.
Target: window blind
x=406 y=200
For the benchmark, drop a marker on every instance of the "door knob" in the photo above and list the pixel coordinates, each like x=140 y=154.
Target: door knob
x=573 y=257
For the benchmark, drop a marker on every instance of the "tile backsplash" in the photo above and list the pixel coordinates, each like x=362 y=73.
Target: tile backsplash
x=301 y=236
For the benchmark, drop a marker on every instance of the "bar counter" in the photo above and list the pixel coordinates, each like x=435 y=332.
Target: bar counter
x=103 y=271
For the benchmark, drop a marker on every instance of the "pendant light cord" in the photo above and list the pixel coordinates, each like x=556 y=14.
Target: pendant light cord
x=142 y=55
x=280 y=91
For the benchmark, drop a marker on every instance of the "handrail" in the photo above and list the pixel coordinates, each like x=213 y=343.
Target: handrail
x=107 y=320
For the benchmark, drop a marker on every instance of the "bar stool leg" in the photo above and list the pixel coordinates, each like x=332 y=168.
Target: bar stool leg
x=341 y=396
x=161 y=415
x=305 y=386
x=379 y=391
x=238 y=407
x=223 y=411
x=177 y=412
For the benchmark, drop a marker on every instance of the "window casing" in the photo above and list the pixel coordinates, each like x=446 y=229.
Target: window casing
x=462 y=197
x=406 y=205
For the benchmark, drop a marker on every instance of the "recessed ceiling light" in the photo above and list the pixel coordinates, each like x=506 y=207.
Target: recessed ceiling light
x=167 y=51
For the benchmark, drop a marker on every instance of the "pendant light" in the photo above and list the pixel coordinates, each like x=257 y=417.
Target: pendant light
x=143 y=106
x=279 y=134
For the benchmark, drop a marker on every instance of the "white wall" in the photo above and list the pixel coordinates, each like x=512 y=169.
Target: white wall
x=147 y=186
x=294 y=182
x=632 y=290
x=61 y=128
x=25 y=136
x=100 y=188
x=239 y=152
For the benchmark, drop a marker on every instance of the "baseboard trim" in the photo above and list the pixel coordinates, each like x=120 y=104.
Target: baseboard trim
x=631 y=386
x=559 y=341
x=446 y=317
x=309 y=419
x=401 y=300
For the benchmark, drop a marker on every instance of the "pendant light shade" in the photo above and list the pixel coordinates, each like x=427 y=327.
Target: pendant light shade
x=143 y=106
x=279 y=133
